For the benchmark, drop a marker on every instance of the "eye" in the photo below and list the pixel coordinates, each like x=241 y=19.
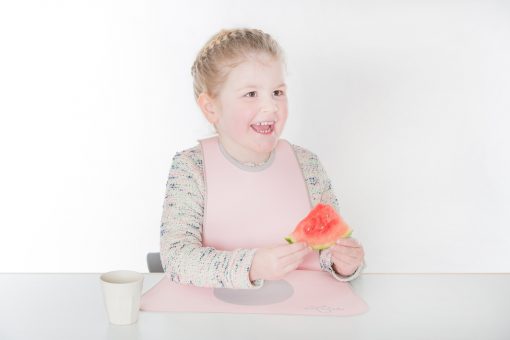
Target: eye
x=251 y=94
x=278 y=93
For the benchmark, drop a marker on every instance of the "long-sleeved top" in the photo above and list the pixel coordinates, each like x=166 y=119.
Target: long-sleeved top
x=186 y=260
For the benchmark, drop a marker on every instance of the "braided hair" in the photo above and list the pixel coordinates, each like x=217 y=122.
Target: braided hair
x=227 y=49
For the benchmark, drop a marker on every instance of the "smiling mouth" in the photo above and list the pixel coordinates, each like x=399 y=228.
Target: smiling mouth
x=264 y=127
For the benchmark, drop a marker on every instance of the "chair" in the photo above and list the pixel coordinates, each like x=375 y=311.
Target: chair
x=154 y=263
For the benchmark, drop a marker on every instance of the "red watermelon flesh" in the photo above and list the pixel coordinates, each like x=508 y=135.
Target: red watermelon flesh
x=321 y=228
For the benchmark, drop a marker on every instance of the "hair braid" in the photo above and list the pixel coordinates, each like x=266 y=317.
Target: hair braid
x=228 y=48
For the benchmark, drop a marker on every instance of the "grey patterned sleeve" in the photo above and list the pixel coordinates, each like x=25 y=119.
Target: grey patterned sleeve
x=183 y=257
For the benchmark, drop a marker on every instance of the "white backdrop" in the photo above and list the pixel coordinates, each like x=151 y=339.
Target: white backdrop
x=406 y=103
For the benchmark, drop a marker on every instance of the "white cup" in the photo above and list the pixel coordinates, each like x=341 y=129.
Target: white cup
x=122 y=290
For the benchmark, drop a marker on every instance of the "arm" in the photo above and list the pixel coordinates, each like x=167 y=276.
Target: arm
x=328 y=197
x=183 y=257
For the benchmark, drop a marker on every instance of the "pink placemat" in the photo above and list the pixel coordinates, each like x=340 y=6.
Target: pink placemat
x=302 y=292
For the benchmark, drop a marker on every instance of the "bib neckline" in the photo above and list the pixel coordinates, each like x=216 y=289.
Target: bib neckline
x=247 y=166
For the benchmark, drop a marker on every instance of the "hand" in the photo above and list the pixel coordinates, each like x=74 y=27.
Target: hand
x=274 y=263
x=347 y=255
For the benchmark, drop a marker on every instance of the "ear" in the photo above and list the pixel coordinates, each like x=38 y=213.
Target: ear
x=208 y=107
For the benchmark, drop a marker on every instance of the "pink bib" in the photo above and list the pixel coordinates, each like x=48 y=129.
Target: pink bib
x=253 y=207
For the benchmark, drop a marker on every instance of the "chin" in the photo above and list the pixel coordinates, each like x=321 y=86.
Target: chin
x=267 y=147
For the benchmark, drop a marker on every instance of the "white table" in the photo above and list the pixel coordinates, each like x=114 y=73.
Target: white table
x=402 y=306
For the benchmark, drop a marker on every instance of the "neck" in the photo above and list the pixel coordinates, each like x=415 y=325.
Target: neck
x=242 y=155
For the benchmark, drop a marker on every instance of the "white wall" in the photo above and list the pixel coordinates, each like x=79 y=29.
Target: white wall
x=405 y=102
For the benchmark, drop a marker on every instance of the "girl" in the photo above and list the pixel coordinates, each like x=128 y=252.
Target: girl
x=231 y=199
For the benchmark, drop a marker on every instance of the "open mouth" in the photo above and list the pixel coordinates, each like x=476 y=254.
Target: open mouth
x=263 y=128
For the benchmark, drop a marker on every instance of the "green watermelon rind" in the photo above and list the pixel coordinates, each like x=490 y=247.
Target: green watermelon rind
x=290 y=240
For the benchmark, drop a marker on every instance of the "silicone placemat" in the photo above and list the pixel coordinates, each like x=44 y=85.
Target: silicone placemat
x=302 y=292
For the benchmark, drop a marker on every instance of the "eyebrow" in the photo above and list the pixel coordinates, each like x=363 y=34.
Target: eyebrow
x=255 y=86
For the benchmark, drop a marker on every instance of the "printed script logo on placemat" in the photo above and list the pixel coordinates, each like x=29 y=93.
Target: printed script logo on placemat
x=325 y=308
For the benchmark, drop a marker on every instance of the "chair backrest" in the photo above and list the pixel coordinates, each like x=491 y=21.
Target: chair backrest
x=154 y=263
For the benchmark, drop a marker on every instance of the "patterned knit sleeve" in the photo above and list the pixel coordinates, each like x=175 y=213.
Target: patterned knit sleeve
x=183 y=257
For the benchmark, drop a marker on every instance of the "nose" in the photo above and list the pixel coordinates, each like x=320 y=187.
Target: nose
x=269 y=105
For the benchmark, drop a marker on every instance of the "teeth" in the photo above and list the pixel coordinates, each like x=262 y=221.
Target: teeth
x=264 y=123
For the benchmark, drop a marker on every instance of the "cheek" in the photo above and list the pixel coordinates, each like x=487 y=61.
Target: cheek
x=243 y=115
x=240 y=120
x=283 y=112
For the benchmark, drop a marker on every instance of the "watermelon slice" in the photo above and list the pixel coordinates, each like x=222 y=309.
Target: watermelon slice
x=321 y=228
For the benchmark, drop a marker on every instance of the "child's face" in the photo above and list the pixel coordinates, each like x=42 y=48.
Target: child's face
x=253 y=92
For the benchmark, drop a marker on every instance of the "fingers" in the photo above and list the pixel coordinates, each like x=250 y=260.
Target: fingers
x=291 y=262
x=290 y=267
x=347 y=255
x=286 y=249
x=346 y=260
x=292 y=256
x=349 y=242
x=349 y=248
x=345 y=268
x=295 y=258
x=275 y=262
x=345 y=252
x=340 y=263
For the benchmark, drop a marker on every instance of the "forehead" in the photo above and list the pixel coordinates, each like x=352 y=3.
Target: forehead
x=256 y=70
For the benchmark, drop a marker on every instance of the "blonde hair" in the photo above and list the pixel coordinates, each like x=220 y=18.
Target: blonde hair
x=225 y=50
